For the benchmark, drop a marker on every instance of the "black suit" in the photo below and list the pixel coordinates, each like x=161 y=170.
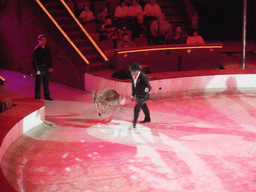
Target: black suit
x=42 y=61
x=141 y=96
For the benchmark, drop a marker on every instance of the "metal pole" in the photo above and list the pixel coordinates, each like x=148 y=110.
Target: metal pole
x=244 y=35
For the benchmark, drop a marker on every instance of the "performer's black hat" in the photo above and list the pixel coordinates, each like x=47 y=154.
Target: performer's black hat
x=135 y=67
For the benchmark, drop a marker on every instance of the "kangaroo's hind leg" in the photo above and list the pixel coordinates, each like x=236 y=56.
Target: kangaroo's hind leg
x=97 y=106
x=105 y=107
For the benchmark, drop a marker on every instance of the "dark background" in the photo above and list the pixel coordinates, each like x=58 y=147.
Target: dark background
x=222 y=20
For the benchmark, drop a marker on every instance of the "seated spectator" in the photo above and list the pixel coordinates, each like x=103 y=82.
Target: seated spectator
x=160 y=30
x=177 y=36
x=152 y=9
x=121 y=15
x=86 y=15
x=103 y=14
x=108 y=30
x=125 y=42
x=135 y=9
x=121 y=10
x=139 y=28
x=195 y=38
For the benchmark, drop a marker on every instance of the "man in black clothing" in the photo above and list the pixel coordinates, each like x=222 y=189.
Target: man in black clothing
x=140 y=90
x=42 y=64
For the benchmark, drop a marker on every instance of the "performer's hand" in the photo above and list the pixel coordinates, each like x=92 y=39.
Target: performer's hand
x=38 y=73
x=50 y=70
x=146 y=90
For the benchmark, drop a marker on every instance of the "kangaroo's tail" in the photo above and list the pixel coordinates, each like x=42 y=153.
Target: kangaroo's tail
x=122 y=101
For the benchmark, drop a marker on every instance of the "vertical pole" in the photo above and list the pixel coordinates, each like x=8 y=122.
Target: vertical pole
x=244 y=35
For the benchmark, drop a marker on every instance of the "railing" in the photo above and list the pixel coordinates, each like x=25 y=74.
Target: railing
x=167 y=58
x=64 y=34
x=85 y=32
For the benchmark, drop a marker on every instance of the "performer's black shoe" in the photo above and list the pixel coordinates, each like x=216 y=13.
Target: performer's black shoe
x=49 y=99
x=146 y=121
x=37 y=98
x=134 y=126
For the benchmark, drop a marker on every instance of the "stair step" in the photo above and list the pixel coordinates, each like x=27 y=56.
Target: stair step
x=97 y=66
x=64 y=20
x=59 y=13
x=76 y=34
x=167 y=3
x=53 y=5
x=93 y=58
x=87 y=50
x=80 y=42
x=174 y=18
x=94 y=36
x=49 y=1
x=172 y=10
x=69 y=27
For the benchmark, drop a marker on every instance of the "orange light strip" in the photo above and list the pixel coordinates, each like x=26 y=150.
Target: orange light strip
x=2 y=78
x=65 y=35
x=170 y=48
x=85 y=32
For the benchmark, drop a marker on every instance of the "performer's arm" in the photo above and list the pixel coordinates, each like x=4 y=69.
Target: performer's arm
x=148 y=87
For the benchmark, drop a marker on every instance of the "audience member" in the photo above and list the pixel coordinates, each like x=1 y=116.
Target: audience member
x=86 y=15
x=135 y=9
x=139 y=28
x=160 y=30
x=195 y=38
x=121 y=10
x=121 y=15
x=125 y=42
x=178 y=36
x=108 y=30
x=152 y=9
x=102 y=14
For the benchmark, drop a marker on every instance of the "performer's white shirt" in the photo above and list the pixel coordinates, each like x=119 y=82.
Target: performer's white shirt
x=135 y=79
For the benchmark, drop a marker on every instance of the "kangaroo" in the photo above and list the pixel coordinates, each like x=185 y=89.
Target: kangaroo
x=105 y=98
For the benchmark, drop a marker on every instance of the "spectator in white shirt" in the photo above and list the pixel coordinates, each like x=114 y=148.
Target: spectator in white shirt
x=135 y=9
x=152 y=9
x=86 y=15
x=121 y=15
x=195 y=38
x=121 y=10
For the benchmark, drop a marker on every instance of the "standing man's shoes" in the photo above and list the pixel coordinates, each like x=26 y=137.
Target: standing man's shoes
x=49 y=99
x=146 y=121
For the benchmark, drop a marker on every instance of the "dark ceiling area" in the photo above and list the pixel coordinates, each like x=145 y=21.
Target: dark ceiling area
x=223 y=19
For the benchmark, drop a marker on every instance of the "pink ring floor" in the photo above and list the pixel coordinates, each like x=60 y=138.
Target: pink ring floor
x=194 y=143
